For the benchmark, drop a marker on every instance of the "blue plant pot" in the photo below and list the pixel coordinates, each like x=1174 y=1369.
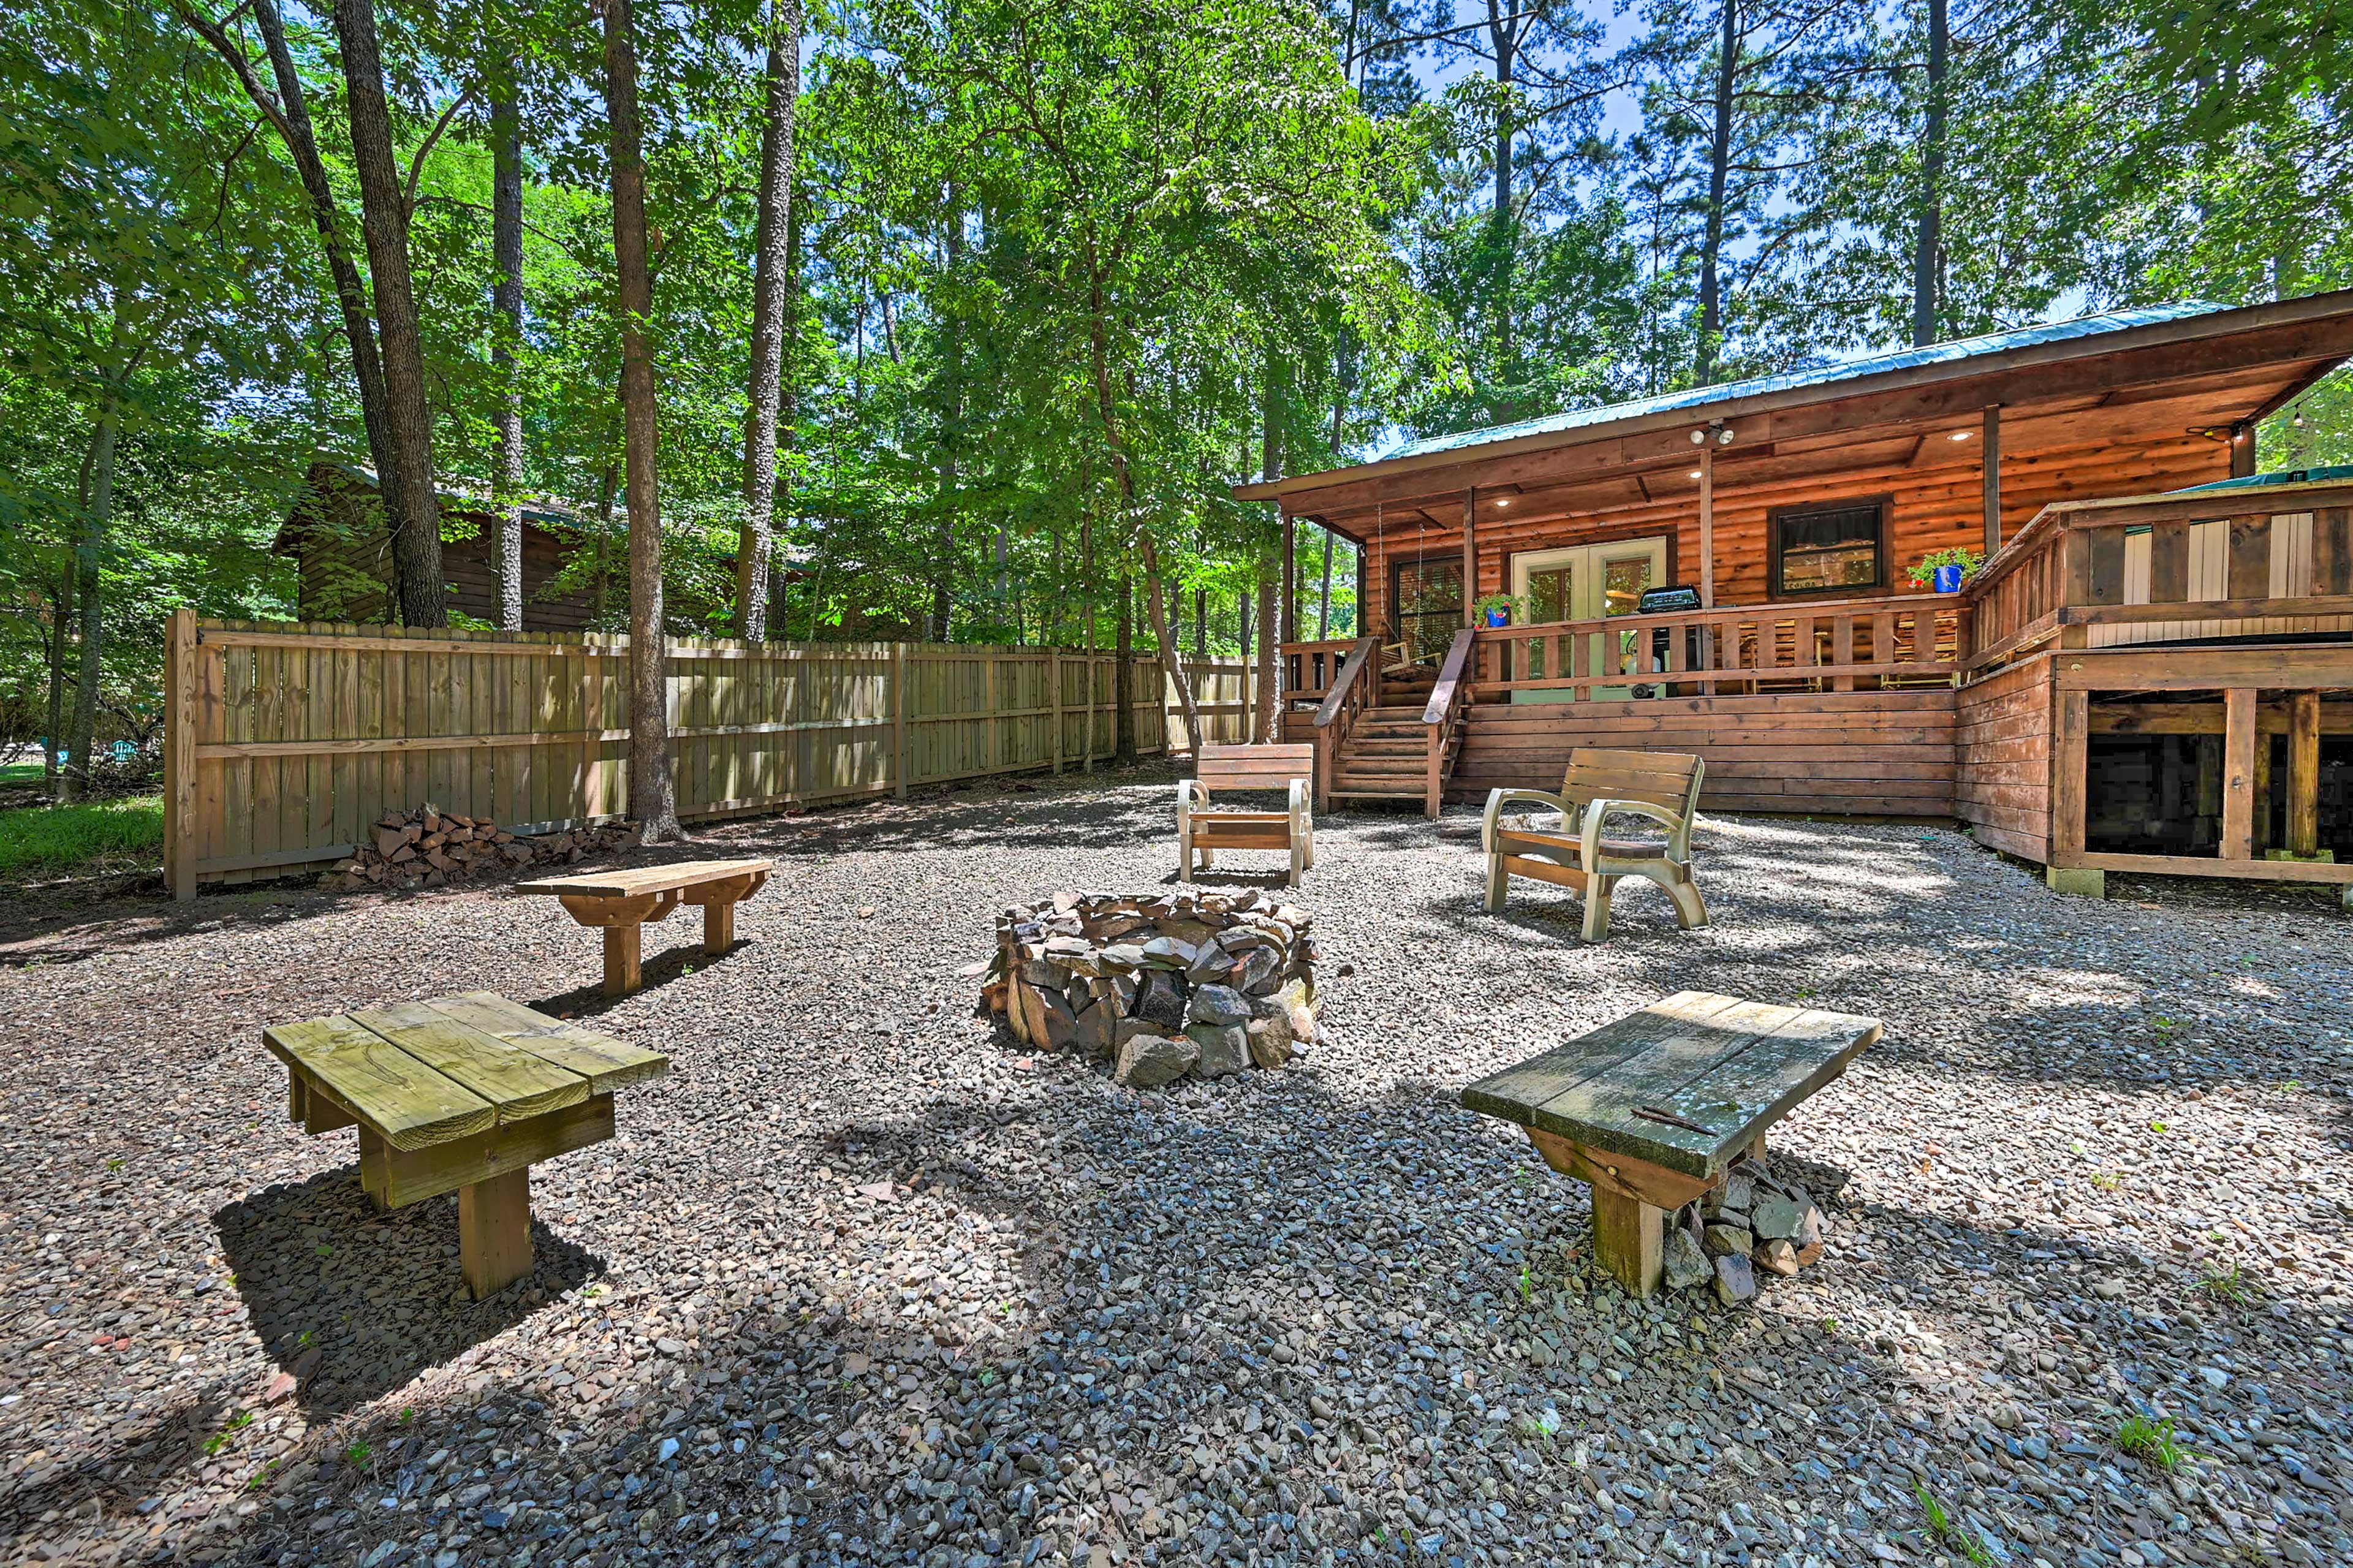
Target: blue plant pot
x=1498 y=618
x=1948 y=579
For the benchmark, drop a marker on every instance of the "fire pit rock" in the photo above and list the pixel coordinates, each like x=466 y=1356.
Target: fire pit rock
x=1159 y=985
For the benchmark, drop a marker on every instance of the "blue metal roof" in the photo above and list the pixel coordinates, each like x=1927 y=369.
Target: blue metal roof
x=2277 y=477
x=1820 y=375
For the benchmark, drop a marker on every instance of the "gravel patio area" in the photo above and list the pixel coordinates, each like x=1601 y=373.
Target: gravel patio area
x=861 y=1281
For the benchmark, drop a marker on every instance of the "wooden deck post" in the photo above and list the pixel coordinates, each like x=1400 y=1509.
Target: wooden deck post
x=2304 y=774
x=1470 y=555
x=1708 y=529
x=2238 y=774
x=180 y=755
x=1287 y=617
x=1989 y=457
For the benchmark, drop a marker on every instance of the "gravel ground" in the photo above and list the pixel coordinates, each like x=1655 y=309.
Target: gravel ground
x=861 y=1281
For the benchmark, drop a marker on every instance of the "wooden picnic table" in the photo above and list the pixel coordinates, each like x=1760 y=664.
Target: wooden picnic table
x=459 y=1094
x=1652 y=1109
x=621 y=902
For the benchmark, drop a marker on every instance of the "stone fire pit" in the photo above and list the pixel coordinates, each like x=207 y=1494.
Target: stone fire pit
x=1159 y=985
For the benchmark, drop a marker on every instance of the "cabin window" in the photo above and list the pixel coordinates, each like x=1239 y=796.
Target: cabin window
x=1829 y=550
x=1429 y=600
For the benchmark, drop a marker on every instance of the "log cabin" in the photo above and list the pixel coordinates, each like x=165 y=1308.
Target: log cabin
x=2149 y=672
x=335 y=534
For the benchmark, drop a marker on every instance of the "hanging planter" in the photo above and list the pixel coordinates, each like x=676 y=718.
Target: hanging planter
x=1944 y=571
x=1497 y=609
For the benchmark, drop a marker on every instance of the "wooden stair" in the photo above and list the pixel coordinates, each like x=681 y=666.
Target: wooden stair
x=1386 y=756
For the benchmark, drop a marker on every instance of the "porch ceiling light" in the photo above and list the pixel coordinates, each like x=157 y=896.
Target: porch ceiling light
x=1699 y=438
x=1694 y=473
x=1503 y=501
x=1723 y=436
x=1961 y=435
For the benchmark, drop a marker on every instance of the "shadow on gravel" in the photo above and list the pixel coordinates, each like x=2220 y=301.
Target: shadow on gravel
x=354 y=1303
x=684 y=957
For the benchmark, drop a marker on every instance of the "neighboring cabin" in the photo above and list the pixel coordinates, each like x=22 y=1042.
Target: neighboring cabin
x=336 y=536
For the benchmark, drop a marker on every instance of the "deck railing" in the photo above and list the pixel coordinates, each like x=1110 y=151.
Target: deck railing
x=2170 y=568
x=1310 y=669
x=1354 y=687
x=1843 y=644
x=1443 y=714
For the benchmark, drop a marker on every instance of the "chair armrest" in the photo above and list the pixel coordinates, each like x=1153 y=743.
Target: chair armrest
x=1302 y=801
x=1678 y=827
x=1192 y=796
x=1498 y=799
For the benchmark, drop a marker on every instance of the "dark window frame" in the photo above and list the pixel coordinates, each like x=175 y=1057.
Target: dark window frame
x=1882 y=505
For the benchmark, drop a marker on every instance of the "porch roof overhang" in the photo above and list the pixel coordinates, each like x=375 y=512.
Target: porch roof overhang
x=2130 y=375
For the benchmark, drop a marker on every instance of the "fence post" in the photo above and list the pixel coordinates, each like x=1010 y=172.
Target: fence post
x=1054 y=697
x=180 y=755
x=899 y=720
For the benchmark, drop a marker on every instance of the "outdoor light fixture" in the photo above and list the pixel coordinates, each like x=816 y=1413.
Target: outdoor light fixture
x=1961 y=435
x=1503 y=501
x=1724 y=437
x=1694 y=473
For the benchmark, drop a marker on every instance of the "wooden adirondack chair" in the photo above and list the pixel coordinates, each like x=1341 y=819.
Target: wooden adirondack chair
x=1291 y=769
x=1661 y=785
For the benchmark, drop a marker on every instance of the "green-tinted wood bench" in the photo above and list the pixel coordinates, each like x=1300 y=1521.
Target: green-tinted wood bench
x=621 y=902
x=1652 y=1109
x=459 y=1094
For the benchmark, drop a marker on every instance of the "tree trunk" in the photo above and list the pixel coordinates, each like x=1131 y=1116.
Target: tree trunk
x=1928 y=249
x=773 y=279
x=290 y=112
x=1719 y=170
x=1506 y=36
x=53 y=743
x=411 y=505
x=652 y=795
x=506 y=256
x=1123 y=677
x=1262 y=720
x=951 y=429
x=1172 y=660
x=97 y=514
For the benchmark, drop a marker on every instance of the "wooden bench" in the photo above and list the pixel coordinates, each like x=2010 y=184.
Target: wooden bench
x=1200 y=830
x=1651 y=1109
x=459 y=1094
x=1661 y=785
x=623 y=901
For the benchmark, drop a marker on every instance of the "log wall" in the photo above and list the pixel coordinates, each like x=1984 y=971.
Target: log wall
x=2001 y=786
x=1932 y=506
x=283 y=741
x=1863 y=753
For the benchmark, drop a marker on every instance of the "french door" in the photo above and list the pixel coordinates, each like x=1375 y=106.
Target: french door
x=1586 y=583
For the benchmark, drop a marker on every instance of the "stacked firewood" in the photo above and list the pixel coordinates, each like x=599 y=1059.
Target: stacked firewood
x=430 y=847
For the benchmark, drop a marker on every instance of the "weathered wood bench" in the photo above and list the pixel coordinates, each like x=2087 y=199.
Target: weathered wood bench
x=459 y=1094
x=1651 y=1109
x=621 y=902
x=1199 y=830
x=1661 y=785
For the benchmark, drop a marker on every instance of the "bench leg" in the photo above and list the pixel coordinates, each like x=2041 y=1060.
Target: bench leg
x=1690 y=908
x=718 y=929
x=494 y=1231
x=623 y=971
x=1597 y=907
x=1629 y=1239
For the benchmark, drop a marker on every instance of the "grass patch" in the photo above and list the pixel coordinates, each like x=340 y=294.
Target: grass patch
x=2225 y=1283
x=17 y=775
x=126 y=833
x=1948 y=1530
x=2150 y=1441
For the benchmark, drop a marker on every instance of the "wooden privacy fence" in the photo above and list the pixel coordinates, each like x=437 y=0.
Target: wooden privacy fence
x=284 y=742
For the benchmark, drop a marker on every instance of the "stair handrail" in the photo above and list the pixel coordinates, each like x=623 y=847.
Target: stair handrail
x=1446 y=699
x=1351 y=693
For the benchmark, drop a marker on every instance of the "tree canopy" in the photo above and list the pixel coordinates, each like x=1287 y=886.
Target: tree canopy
x=1013 y=292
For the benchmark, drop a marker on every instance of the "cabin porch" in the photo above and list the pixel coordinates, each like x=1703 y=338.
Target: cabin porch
x=2149 y=684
